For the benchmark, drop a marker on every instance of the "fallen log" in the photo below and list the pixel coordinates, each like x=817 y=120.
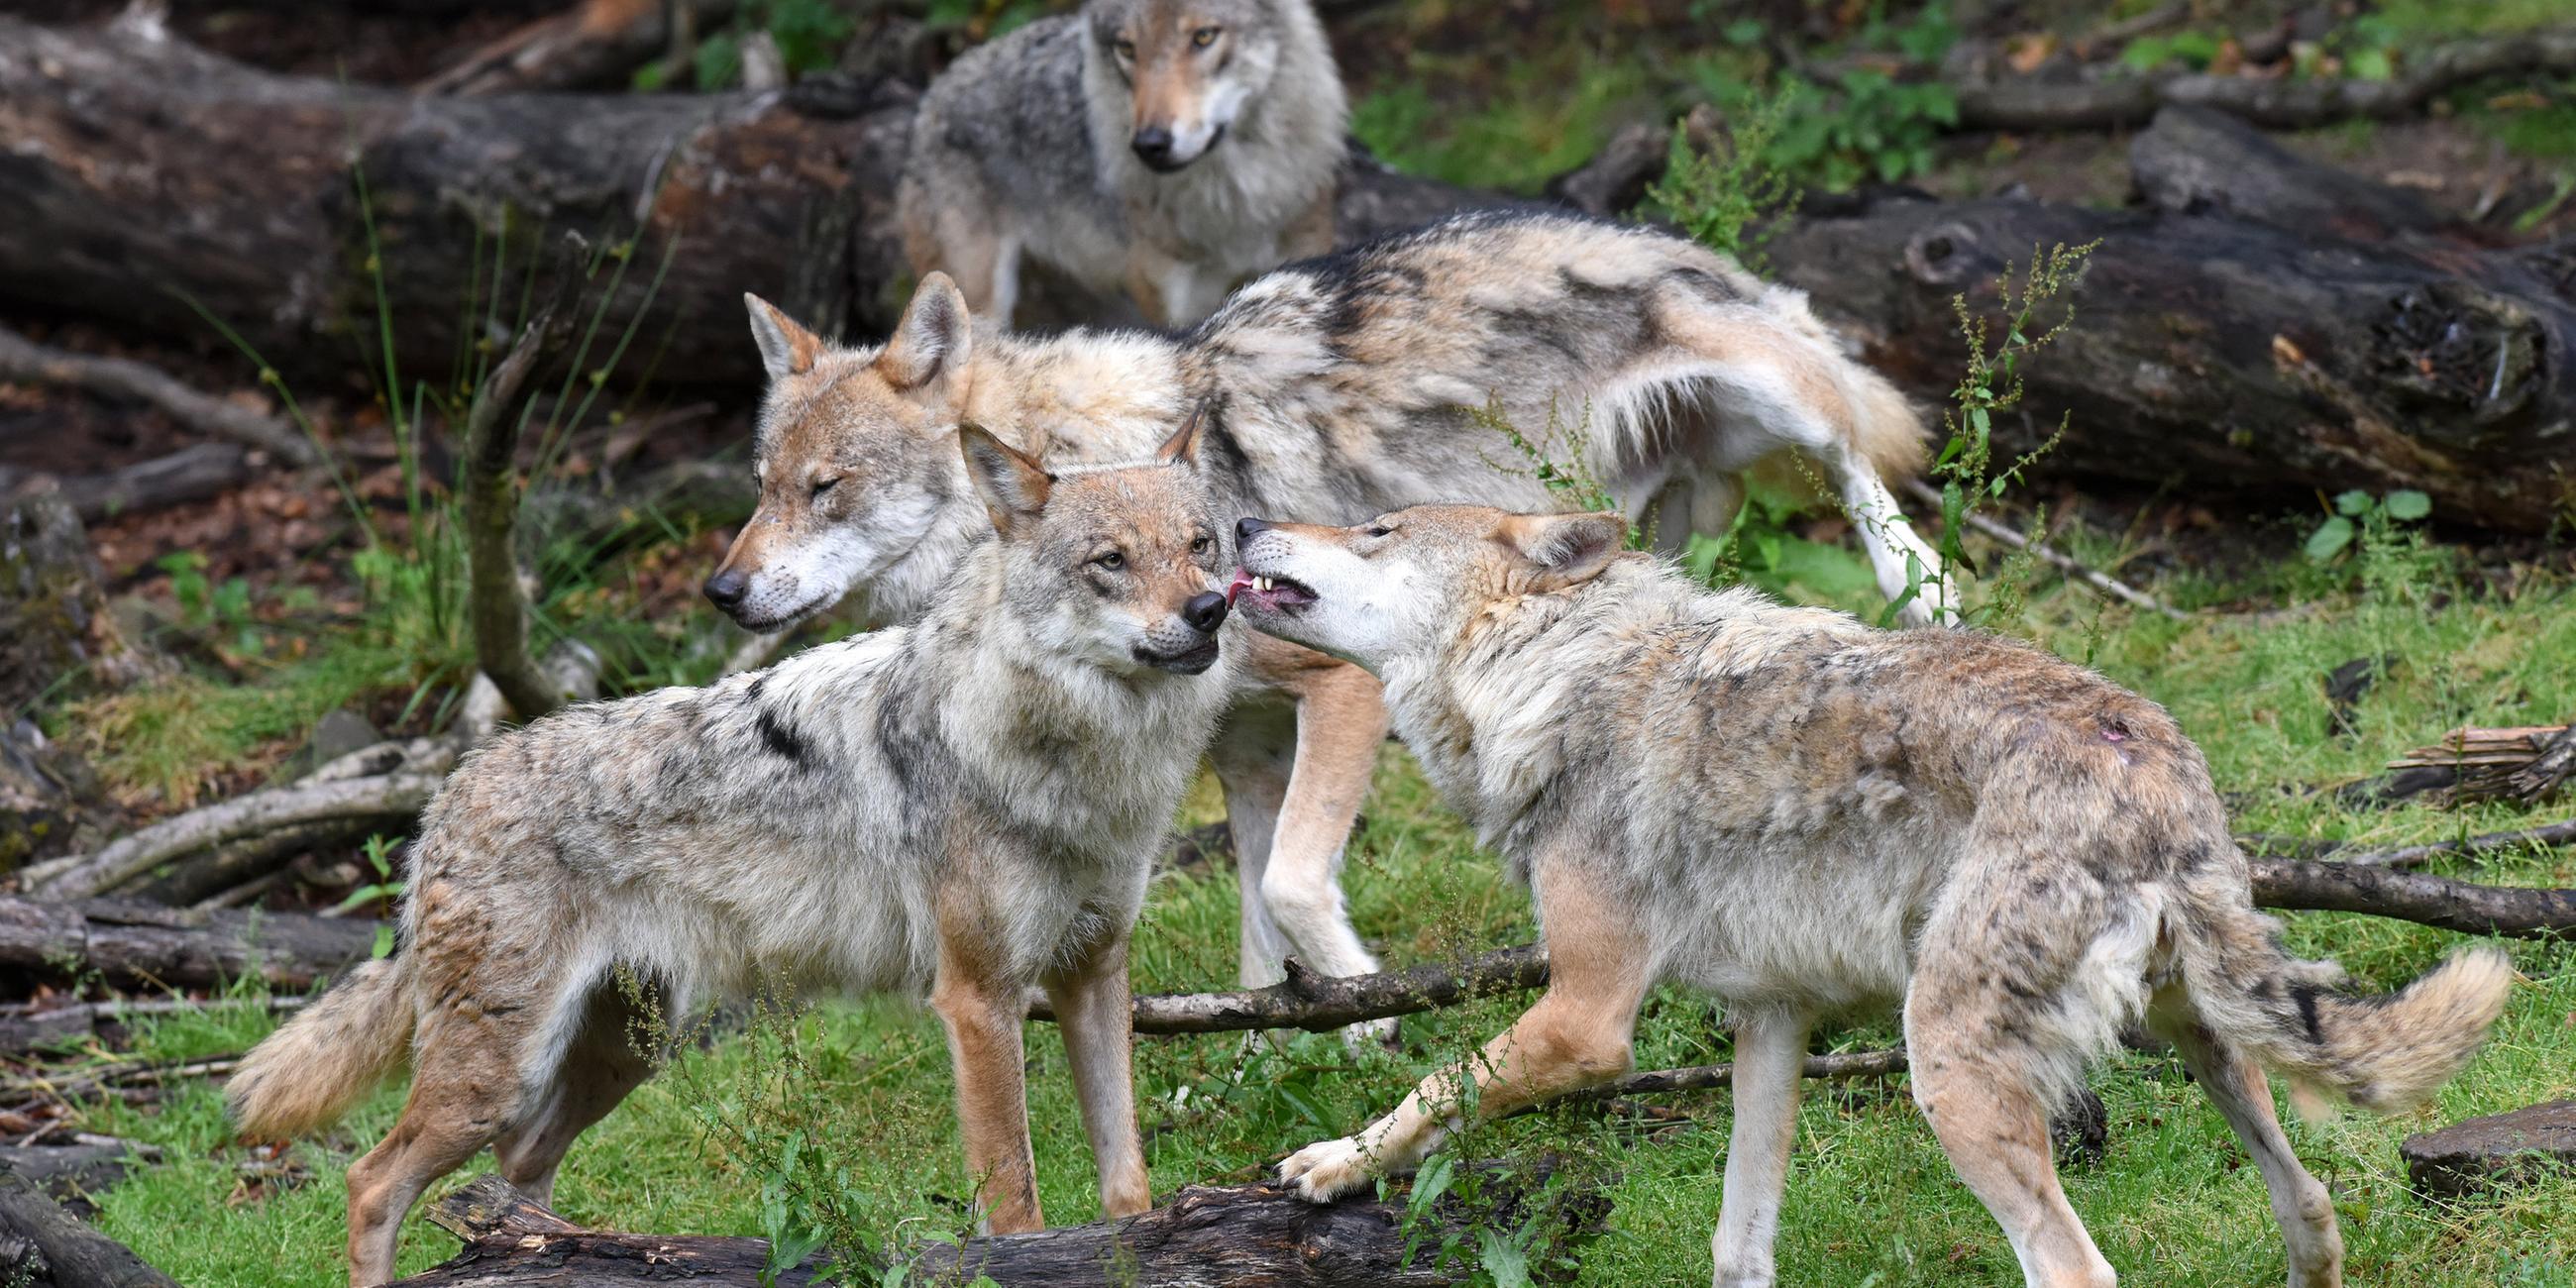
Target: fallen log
x=124 y=378
x=2196 y=161
x=1242 y=1236
x=391 y=796
x=42 y=1245
x=2124 y=99
x=140 y=946
x=2248 y=359
x=189 y=474
x=26 y=1027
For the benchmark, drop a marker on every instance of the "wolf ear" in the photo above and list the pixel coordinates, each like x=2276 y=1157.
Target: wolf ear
x=931 y=340
x=1567 y=548
x=1182 y=448
x=1013 y=486
x=786 y=349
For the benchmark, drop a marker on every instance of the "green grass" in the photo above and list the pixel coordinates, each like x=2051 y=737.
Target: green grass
x=1870 y=1197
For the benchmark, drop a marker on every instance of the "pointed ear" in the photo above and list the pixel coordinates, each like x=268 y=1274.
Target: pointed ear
x=932 y=339
x=1567 y=548
x=786 y=349
x=1013 y=486
x=1182 y=448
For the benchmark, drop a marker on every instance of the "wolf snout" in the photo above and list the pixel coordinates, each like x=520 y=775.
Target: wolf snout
x=1153 y=146
x=1246 y=529
x=1205 y=611
x=727 y=588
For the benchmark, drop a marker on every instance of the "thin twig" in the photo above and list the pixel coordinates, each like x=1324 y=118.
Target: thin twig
x=2064 y=562
x=1848 y=1064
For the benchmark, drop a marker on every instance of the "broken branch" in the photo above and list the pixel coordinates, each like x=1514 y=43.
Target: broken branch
x=397 y=795
x=2469 y=908
x=2548 y=834
x=24 y=359
x=1323 y=1003
x=492 y=425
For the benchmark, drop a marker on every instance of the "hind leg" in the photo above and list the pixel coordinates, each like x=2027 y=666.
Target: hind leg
x=460 y=1095
x=2236 y=1084
x=1973 y=1078
x=1896 y=553
x=600 y=1070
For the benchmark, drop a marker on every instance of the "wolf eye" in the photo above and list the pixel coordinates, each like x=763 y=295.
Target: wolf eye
x=1126 y=49
x=1380 y=530
x=1200 y=546
x=1113 y=561
x=822 y=486
x=1204 y=37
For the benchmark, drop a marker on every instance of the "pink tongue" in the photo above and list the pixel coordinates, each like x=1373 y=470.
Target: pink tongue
x=1241 y=580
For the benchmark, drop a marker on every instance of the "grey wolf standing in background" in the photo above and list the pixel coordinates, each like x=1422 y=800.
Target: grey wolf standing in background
x=1337 y=388
x=1168 y=148
x=1805 y=816
x=964 y=810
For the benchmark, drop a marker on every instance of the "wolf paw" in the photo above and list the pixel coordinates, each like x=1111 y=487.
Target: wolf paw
x=1326 y=1170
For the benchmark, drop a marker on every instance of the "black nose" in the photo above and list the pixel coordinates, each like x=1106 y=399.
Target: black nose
x=1246 y=529
x=727 y=588
x=1153 y=144
x=1205 y=612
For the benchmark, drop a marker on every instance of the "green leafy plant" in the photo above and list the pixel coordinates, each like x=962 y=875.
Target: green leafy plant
x=1719 y=194
x=2356 y=512
x=386 y=888
x=1992 y=385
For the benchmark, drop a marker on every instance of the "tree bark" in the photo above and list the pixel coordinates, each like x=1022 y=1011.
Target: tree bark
x=140 y=946
x=2246 y=359
x=2196 y=161
x=1244 y=1236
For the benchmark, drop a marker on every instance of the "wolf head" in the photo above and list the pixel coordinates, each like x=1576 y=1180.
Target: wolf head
x=857 y=462
x=1189 y=68
x=1112 y=566
x=1405 y=584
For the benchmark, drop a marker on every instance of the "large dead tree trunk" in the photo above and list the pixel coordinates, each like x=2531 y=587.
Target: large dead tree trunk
x=2236 y=357
x=1242 y=1236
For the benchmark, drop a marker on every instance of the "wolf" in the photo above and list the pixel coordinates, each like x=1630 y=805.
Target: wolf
x=1167 y=148
x=1805 y=816
x=963 y=810
x=1335 y=389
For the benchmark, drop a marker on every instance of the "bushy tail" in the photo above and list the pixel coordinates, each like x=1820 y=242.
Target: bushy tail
x=2384 y=1053
x=307 y=1074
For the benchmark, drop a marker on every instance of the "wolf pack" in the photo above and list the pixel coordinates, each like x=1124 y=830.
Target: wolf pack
x=1260 y=539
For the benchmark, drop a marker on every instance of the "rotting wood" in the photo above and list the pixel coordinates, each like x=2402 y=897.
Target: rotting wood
x=1240 y=1236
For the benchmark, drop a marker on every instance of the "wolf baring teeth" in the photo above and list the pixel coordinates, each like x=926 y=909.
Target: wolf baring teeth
x=962 y=810
x=1335 y=389
x=1805 y=817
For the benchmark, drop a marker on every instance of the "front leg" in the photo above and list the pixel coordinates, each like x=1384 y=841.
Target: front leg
x=1341 y=722
x=1577 y=1035
x=1092 y=1011
x=982 y=1010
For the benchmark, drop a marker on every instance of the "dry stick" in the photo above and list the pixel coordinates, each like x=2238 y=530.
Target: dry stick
x=2032 y=104
x=2547 y=834
x=2067 y=563
x=24 y=359
x=2467 y=907
x=192 y=473
x=492 y=423
x=1323 y=1003
x=389 y=796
